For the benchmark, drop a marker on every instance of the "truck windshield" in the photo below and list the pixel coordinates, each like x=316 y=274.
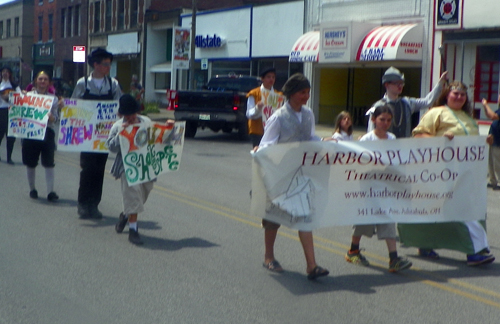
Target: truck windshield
x=234 y=84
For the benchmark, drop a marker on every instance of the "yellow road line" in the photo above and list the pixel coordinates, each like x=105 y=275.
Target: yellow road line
x=230 y=213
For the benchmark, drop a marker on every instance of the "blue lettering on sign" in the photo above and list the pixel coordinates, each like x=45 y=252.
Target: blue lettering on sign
x=372 y=54
x=208 y=41
x=296 y=57
x=335 y=34
x=333 y=55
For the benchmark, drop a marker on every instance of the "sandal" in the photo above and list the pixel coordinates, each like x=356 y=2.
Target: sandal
x=317 y=272
x=273 y=266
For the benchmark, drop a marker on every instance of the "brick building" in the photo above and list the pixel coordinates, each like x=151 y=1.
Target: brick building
x=59 y=25
x=16 y=38
x=117 y=26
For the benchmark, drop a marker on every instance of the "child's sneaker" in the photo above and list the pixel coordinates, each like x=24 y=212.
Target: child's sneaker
x=122 y=221
x=428 y=253
x=355 y=257
x=399 y=264
x=133 y=237
x=479 y=258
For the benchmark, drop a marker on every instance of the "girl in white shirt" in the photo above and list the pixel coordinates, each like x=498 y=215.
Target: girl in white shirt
x=382 y=118
x=343 y=127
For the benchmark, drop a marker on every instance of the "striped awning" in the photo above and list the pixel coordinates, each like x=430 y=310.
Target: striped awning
x=306 y=48
x=395 y=42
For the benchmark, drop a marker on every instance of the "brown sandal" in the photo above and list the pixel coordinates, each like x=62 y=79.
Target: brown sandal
x=317 y=272
x=273 y=266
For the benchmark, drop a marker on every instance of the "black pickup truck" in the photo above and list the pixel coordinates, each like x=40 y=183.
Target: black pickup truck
x=222 y=106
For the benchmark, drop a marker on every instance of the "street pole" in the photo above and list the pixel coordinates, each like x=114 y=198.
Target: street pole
x=193 y=36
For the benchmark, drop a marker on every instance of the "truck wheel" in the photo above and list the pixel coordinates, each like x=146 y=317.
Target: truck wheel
x=243 y=131
x=191 y=128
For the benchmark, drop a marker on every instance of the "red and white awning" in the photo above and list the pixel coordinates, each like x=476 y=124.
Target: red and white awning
x=396 y=42
x=306 y=48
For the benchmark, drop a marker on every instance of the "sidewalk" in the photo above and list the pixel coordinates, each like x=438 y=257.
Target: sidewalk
x=321 y=130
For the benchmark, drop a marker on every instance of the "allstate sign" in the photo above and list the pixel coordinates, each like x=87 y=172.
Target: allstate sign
x=208 y=41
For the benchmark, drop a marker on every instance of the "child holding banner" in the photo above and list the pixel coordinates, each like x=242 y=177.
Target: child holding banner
x=293 y=122
x=382 y=119
x=32 y=148
x=261 y=103
x=452 y=117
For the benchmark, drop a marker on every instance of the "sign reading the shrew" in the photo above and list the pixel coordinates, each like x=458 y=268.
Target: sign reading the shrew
x=151 y=149
x=85 y=125
x=28 y=115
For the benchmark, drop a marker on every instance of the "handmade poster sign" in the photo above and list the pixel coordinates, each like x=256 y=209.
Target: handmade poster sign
x=28 y=115
x=272 y=101
x=85 y=125
x=150 y=150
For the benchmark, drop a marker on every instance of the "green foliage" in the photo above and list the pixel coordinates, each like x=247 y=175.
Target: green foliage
x=150 y=107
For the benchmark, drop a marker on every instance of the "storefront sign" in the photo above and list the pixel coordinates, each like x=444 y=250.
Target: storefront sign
x=448 y=14
x=392 y=42
x=339 y=40
x=335 y=38
x=208 y=41
x=306 y=48
x=181 y=48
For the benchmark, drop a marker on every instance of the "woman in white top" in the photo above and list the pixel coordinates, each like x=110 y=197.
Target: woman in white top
x=6 y=86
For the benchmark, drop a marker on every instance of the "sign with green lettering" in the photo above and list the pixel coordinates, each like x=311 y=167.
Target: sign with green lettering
x=28 y=115
x=151 y=149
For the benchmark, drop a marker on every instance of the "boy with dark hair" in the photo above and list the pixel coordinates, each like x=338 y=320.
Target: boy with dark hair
x=97 y=86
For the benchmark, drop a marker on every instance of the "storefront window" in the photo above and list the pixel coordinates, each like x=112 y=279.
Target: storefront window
x=487 y=73
x=227 y=67
x=162 y=81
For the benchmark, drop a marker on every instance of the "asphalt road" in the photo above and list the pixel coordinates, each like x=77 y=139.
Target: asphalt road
x=202 y=257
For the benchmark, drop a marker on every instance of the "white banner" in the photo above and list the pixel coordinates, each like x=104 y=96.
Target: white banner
x=308 y=185
x=150 y=150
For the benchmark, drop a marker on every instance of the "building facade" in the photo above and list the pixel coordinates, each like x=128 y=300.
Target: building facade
x=117 y=26
x=16 y=38
x=359 y=39
x=72 y=30
x=248 y=38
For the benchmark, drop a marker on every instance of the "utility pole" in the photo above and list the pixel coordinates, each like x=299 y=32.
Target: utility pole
x=193 y=36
